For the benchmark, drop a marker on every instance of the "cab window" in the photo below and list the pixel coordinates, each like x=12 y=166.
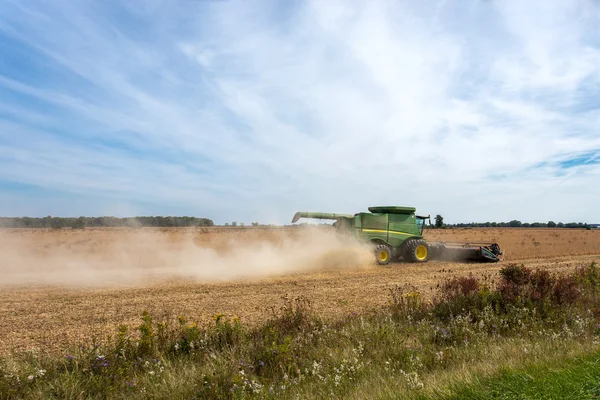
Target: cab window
x=420 y=224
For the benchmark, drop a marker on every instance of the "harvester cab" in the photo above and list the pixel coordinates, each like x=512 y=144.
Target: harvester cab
x=421 y=222
x=396 y=232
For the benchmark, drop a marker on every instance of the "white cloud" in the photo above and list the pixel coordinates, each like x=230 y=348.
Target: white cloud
x=252 y=112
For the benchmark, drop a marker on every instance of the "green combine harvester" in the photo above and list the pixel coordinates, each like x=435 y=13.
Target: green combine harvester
x=396 y=233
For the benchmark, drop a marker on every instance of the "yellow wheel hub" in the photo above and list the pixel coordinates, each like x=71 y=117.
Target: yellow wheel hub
x=421 y=252
x=383 y=255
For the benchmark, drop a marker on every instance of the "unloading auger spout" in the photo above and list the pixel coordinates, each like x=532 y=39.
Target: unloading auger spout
x=318 y=215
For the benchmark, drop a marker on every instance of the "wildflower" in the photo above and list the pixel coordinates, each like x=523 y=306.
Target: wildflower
x=439 y=356
x=255 y=387
x=338 y=379
x=412 y=379
x=69 y=357
x=316 y=367
x=30 y=377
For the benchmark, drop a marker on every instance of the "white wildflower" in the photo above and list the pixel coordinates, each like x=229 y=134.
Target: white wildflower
x=316 y=367
x=439 y=356
x=412 y=379
x=255 y=387
x=338 y=379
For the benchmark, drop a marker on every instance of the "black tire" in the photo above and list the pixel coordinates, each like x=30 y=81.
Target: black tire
x=495 y=248
x=417 y=251
x=383 y=254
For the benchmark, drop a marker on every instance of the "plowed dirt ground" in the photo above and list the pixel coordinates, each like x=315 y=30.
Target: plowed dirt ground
x=60 y=287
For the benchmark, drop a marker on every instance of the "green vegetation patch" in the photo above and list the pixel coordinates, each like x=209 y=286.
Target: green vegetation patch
x=577 y=379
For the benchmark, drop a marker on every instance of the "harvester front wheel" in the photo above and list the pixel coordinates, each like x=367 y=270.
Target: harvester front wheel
x=383 y=254
x=417 y=251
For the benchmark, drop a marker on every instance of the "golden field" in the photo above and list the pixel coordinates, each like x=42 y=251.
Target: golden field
x=60 y=287
x=526 y=243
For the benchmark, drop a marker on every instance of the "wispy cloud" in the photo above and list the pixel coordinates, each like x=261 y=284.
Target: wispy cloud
x=240 y=111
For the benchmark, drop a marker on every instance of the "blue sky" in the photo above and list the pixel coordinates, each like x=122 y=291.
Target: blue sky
x=253 y=110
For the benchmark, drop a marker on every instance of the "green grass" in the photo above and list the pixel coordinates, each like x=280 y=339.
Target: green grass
x=576 y=378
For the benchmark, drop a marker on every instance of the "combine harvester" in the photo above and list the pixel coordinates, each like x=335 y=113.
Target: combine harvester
x=397 y=233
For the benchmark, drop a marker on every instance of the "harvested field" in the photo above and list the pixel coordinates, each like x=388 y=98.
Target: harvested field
x=526 y=243
x=59 y=287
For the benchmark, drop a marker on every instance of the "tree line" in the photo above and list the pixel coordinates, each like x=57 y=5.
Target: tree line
x=98 y=222
x=439 y=223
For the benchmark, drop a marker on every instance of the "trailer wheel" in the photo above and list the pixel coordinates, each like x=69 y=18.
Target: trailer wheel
x=417 y=250
x=383 y=254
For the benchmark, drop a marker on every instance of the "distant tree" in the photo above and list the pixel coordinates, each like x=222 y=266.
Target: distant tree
x=515 y=223
x=46 y=222
x=56 y=223
x=234 y=223
x=79 y=223
x=439 y=221
x=551 y=224
x=560 y=225
x=255 y=224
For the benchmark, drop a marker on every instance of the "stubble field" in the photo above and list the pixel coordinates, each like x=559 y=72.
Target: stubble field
x=58 y=288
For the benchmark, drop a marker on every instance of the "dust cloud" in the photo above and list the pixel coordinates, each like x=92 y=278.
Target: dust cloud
x=126 y=257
